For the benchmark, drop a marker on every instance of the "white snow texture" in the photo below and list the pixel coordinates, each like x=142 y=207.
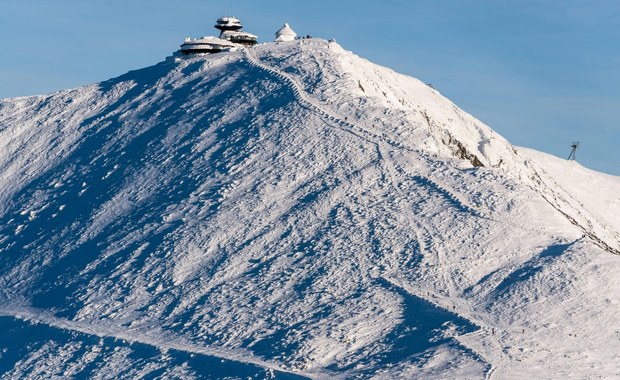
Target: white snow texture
x=292 y=210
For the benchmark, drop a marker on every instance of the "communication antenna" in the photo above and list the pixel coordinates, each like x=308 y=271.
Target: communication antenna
x=573 y=152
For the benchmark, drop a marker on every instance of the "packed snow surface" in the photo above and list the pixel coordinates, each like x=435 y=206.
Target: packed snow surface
x=292 y=210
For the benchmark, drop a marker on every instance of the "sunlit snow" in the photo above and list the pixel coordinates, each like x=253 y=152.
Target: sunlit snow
x=292 y=210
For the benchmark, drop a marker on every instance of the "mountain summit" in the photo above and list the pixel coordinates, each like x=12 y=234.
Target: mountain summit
x=292 y=210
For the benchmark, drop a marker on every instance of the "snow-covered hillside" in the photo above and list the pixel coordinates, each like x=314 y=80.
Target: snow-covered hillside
x=292 y=210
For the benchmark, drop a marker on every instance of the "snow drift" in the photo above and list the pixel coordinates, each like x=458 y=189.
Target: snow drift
x=294 y=210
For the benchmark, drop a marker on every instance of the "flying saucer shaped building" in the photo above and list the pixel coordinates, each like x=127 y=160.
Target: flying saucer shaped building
x=231 y=37
x=207 y=44
x=230 y=30
x=228 y=23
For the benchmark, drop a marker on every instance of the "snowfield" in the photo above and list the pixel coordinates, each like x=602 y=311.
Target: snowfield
x=294 y=211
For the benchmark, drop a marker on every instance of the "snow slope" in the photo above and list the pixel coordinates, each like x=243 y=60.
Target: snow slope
x=294 y=210
x=596 y=192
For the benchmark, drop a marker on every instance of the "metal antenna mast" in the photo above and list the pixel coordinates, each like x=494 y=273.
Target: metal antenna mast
x=573 y=152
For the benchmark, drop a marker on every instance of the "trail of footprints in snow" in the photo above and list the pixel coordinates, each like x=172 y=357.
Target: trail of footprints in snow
x=374 y=138
x=303 y=98
x=358 y=131
x=368 y=135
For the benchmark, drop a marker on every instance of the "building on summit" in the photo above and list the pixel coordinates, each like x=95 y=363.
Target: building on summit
x=230 y=30
x=208 y=44
x=231 y=37
x=285 y=33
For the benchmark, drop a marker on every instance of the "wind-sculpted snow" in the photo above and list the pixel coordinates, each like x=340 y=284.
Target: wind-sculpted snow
x=290 y=210
x=71 y=350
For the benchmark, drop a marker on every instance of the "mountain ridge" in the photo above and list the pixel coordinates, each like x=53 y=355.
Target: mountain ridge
x=305 y=206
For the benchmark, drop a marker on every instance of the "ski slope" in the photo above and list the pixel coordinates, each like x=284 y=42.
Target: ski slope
x=293 y=210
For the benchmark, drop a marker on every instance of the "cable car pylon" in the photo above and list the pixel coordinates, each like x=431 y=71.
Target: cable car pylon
x=573 y=152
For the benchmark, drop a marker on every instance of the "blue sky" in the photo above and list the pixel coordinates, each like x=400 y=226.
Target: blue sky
x=543 y=73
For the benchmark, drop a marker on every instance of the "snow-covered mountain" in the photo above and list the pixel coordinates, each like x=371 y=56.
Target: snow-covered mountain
x=292 y=210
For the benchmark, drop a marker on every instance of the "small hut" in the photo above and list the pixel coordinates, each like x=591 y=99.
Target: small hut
x=285 y=34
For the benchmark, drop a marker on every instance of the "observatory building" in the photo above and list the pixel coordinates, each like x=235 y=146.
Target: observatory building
x=231 y=37
x=230 y=30
x=208 y=44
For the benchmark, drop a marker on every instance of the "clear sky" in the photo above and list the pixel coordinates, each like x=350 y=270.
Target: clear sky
x=543 y=73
